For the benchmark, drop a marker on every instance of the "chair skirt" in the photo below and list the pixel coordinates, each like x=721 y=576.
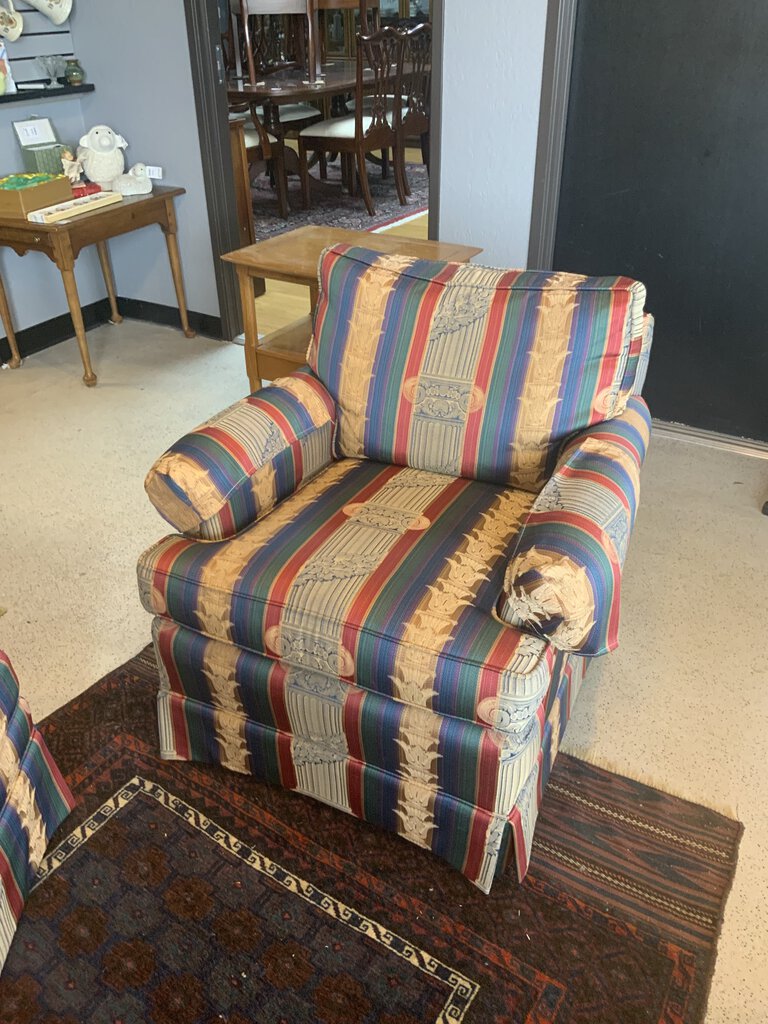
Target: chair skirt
x=468 y=793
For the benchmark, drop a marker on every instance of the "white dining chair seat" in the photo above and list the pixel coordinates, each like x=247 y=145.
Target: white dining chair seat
x=335 y=128
x=252 y=139
x=296 y=112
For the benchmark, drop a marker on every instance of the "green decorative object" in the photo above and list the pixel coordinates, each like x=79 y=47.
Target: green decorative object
x=73 y=72
x=14 y=182
x=46 y=157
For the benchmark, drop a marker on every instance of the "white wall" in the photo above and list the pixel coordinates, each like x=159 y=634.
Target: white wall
x=136 y=54
x=492 y=66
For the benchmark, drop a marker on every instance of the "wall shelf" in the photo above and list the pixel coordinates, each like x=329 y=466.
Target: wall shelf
x=47 y=94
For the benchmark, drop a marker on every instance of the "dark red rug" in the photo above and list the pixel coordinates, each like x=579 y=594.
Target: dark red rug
x=184 y=894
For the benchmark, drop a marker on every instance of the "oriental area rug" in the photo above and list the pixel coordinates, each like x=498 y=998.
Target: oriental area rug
x=183 y=894
x=332 y=207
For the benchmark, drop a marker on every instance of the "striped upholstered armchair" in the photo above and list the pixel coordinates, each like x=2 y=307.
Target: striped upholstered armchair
x=34 y=800
x=393 y=566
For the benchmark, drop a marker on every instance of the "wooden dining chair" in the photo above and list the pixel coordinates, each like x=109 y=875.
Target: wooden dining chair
x=252 y=51
x=379 y=70
x=262 y=147
x=255 y=30
x=415 y=85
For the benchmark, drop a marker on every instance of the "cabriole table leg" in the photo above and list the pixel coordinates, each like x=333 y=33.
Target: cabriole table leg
x=73 y=301
x=169 y=230
x=109 y=281
x=5 y=315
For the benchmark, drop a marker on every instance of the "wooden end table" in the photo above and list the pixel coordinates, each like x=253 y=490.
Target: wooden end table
x=293 y=256
x=63 y=241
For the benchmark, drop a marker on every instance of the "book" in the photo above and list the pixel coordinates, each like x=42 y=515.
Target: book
x=85 y=189
x=74 y=207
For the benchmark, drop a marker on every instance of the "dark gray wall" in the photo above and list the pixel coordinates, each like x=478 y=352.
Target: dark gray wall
x=664 y=180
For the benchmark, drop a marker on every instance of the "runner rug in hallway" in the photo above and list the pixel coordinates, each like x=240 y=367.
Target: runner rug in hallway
x=182 y=893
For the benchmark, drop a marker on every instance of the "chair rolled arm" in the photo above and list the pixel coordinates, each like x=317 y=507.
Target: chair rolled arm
x=563 y=581
x=232 y=470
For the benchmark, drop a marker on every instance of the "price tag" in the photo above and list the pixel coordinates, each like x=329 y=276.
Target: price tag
x=34 y=131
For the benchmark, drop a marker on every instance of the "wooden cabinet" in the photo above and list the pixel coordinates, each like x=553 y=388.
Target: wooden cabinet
x=338 y=29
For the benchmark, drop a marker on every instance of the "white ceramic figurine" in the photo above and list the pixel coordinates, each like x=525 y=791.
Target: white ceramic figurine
x=135 y=183
x=100 y=152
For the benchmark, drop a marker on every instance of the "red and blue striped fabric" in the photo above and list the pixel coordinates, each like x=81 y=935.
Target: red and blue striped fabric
x=451 y=786
x=564 y=581
x=229 y=472
x=34 y=800
x=382 y=576
x=469 y=371
x=637 y=363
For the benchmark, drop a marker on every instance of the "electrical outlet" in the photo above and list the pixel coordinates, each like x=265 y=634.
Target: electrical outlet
x=154 y=172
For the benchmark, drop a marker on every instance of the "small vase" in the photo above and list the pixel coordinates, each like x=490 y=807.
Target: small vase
x=73 y=73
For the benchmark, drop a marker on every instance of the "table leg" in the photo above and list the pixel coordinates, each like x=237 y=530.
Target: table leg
x=250 y=328
x=169 y=230
x=5 y=316
x=109 y=281
x=73 y=300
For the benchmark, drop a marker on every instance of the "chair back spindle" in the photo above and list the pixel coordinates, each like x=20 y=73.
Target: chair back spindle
x=416 y=79
x=379 y=79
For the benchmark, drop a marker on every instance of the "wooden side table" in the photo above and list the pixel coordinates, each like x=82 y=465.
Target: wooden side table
x=63 y=241
x=293 y=256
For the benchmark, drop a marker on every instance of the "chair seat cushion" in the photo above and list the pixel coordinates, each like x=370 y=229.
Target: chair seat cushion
x=382 y=576
x=252 y=139
x=289 y=112
x=334 y=128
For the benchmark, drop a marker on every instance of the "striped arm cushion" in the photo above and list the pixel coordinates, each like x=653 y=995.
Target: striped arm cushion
x=469 y=371
x=229 y=472
x=637 y=362
x=564 y=579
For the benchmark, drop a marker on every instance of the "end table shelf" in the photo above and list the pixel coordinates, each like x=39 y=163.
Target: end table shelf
x=285 y=349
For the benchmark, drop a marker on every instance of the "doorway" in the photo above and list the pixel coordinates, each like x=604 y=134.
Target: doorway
x=206 y=23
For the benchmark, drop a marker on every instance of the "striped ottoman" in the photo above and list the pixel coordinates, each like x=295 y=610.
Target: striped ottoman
x=34 y=800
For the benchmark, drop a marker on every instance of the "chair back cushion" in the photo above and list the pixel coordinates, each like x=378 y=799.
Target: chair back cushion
x=469 y=371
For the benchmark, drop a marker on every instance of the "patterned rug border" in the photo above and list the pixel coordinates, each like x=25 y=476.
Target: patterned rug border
x=462 y=989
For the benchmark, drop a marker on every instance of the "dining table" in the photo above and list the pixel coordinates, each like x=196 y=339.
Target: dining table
x=335 y=79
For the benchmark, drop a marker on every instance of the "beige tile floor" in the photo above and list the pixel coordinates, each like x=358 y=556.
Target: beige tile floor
x=682 y=703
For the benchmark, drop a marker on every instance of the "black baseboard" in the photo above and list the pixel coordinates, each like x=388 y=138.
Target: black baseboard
x=51 y=332
x=155 y=313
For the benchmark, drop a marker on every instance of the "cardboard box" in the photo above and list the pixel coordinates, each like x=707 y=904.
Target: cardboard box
x=19 y=201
